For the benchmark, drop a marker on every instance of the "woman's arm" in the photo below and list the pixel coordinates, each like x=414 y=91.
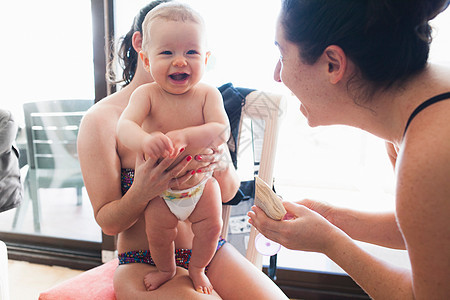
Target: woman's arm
x=310 y=231
x=422 y=211
x=101 y=168
x=423 y=204
x=379 y=228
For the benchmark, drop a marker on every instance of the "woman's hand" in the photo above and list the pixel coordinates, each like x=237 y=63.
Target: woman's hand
x=217 y=159
x=152 y=177
x=301 y=229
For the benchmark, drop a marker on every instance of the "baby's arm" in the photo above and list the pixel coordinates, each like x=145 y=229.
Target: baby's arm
x=214 y=132
x=130 y=132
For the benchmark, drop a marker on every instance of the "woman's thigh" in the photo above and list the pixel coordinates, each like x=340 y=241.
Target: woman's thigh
x=234 y=277
x=129 y=284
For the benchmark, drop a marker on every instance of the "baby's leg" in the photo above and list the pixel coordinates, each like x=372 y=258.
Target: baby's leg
x=161 y=229
x=206 y=225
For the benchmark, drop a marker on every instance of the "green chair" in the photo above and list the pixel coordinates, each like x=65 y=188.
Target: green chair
x=51 y=129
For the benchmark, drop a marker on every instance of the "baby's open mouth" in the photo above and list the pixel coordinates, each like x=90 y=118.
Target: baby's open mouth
x=179 y=76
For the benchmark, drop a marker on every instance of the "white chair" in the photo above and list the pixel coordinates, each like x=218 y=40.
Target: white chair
x=264 y=111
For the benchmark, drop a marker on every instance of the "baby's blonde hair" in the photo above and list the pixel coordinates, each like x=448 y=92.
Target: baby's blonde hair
x=170 y=11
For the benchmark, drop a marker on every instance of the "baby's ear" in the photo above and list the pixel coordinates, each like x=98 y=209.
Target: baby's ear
x=145 y=60
x=208 y=54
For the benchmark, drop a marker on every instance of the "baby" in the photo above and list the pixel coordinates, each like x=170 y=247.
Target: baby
x=177 y=113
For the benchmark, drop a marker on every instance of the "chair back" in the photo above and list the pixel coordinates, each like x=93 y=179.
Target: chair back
x=256 y=142
x=52 y=130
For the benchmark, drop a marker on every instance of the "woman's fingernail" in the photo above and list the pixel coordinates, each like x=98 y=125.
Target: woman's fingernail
x=199 y=171
x=189 y=158
x=181 y=150
x=193 y=172
x=198 y=157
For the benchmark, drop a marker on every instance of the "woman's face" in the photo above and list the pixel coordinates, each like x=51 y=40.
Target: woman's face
x=302 y=79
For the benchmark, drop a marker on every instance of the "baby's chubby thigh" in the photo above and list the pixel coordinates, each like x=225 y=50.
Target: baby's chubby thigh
x=159 y=220
x=206 y=218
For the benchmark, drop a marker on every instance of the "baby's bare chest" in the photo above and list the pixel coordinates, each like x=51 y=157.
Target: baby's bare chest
x=168 y=116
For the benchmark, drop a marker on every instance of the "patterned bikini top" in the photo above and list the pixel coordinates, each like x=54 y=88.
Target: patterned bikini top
x=126 y=179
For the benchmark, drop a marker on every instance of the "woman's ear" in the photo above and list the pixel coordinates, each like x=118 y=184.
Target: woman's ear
x=136 y=41
x=145 y=60
x=337 y=63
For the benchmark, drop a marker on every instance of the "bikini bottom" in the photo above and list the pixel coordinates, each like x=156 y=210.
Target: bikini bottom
x=182 y=256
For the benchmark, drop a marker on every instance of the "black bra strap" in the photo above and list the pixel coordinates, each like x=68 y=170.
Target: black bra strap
x=425 y=105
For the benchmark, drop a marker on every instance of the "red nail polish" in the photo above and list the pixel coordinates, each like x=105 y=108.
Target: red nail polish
x=198 y=157
x=189 y=158
x=193 y=172
x=181 y=150
x=199 y=171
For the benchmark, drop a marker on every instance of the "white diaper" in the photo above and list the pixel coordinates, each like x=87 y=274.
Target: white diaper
x=182 y=202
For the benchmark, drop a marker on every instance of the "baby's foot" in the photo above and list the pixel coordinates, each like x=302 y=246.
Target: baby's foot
x=154 y=279
x=200 y=281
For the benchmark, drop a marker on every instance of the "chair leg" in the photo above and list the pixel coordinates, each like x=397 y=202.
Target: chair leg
x=79 y=195
x=19 y=215
x=35 y=200
x=226 y=213
x=36 y=211
x=21 y=211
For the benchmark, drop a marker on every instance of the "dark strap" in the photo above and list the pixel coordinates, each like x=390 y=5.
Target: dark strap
x=233 y=101
x=424 y=105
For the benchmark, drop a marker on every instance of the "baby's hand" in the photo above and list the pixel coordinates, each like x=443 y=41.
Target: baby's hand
x=178 y=138
x=157 y=145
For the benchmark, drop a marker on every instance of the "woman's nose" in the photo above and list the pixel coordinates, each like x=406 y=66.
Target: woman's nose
x=179 y=62
x=276 y=73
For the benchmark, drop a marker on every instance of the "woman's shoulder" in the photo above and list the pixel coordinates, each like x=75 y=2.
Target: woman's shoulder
x=108 y=107
x=102 y=117
x=425 y=150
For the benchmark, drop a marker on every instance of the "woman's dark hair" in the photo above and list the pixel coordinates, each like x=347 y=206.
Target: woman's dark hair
x=388 y=40
x=127 y=57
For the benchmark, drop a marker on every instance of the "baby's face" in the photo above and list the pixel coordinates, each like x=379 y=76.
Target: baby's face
x=177 y=54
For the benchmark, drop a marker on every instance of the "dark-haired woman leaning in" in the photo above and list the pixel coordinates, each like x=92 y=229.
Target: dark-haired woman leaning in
x=120 y=186
x=364 y=64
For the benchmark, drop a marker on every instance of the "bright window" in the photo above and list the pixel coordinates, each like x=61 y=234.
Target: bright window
x=46 y=54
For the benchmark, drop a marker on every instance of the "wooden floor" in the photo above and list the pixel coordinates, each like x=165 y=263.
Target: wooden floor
x=60 y=216
x=27 y=281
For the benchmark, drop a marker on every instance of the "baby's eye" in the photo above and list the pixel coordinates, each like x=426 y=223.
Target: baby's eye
x=192 y=52
x=167 y=52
